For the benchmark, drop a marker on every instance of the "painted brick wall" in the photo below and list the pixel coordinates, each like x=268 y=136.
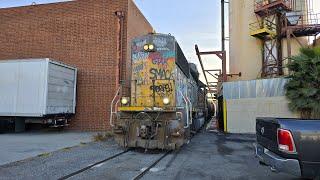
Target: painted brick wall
x=81 y=33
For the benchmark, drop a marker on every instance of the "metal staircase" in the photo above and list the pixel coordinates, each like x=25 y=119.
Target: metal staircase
x=279 y=19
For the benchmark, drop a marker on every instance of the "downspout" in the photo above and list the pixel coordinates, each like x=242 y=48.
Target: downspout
x=118 y=86
x=120 y=15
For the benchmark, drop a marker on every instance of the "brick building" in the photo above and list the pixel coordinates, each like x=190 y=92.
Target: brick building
x=88 y=34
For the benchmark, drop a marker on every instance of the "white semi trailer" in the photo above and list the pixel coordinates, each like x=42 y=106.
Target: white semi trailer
x=37 y=91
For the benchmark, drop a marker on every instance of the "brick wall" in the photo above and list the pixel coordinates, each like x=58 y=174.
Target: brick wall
x=81 y=33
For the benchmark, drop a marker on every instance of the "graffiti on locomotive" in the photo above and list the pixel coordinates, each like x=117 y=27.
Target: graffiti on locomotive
x=154 y=71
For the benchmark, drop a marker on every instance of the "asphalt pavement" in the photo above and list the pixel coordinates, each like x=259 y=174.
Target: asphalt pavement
x=209 y=155
x=215 y=156
x=20 y=146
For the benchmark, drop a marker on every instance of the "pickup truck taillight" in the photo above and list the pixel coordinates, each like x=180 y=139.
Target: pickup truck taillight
x=285 y=141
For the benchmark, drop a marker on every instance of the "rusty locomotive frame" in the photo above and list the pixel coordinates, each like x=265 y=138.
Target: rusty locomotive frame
x=167 y=101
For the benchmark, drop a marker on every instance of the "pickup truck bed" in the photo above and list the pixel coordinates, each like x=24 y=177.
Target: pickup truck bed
x=305 y=161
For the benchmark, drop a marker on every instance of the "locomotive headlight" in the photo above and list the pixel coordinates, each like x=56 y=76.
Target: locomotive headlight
x=166 y=101
x=146 y=47
x=151 y=47
x=124 y=101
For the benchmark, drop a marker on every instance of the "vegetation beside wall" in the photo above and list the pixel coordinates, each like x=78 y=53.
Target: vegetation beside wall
x=303 y=87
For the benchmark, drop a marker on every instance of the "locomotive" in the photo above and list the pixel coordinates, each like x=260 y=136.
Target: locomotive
x=167 y=101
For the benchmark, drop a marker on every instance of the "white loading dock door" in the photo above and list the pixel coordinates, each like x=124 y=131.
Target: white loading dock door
x=36 y=87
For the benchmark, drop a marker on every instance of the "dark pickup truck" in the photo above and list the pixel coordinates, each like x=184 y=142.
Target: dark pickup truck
x=289 y=145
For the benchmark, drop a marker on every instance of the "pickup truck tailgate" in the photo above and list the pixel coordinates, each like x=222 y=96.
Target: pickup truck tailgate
x=306 y=137
x=266 y=131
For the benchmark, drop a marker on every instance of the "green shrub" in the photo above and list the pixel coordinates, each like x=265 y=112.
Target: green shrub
x=303 y=87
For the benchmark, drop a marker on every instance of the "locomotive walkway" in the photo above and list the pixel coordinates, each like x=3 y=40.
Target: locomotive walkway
x=208 y=156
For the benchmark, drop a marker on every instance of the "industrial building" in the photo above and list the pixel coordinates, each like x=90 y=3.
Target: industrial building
x=92 y=35
x=258 y=42
x=264 y=34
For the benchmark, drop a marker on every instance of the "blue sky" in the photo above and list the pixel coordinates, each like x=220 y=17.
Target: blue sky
x=190 y=21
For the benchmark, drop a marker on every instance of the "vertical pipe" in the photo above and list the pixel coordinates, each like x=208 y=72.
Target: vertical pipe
x=120 y=15
x=224 y=66
x=279 y=44
x=289 y=44
x=223 y=48
x=222 y=27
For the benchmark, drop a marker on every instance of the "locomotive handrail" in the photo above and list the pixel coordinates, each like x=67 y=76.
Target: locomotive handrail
x=190 y=109
x=112 y=104
x=187 y=109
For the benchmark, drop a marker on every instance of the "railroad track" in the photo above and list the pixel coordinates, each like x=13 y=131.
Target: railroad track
x=92 y=165
x=137 y=177
x=142 y=173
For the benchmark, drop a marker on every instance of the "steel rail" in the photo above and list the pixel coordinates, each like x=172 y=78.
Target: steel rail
x=140 y=175
x=92 y=165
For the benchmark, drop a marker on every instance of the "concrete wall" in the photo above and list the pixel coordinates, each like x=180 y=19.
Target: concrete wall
x=247 y=100
x=81 y=33
x=245 y=51
x=242 y=113
x=245 y=54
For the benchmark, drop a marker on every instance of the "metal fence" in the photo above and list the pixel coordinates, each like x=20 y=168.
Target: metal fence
x=254 y=88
